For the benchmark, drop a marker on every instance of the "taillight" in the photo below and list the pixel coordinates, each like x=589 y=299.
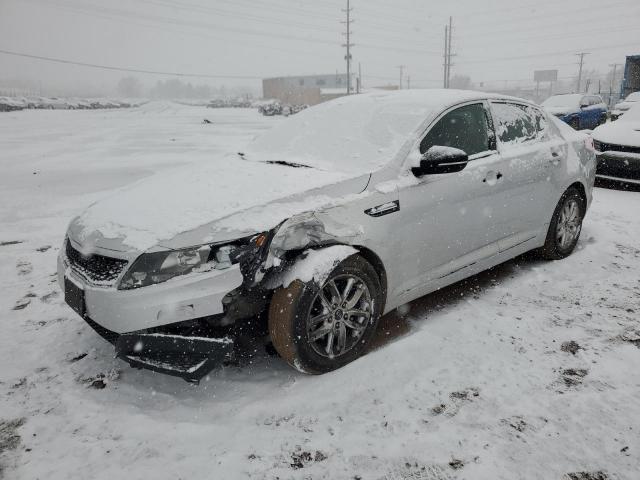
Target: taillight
x=588 y=142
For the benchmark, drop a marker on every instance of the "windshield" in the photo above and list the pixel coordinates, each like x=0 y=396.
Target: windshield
x=355 y=134
x=633 y=97
x=568 y=101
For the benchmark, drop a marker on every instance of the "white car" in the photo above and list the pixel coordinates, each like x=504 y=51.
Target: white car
x=621 y=107
x=334 y=217
x=617 y=146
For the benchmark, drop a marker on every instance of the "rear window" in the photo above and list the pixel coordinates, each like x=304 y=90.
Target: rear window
x=517 y=124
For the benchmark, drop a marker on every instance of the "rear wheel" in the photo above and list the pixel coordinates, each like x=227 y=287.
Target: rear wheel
x=319 y=328
x=565 y=227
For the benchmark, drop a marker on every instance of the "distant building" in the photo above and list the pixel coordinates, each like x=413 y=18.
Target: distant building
x=306 y=90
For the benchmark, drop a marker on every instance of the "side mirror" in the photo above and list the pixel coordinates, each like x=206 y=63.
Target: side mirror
x=440 y=159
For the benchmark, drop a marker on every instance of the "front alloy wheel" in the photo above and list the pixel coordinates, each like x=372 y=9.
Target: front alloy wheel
x=319 y=328
x=339 y=315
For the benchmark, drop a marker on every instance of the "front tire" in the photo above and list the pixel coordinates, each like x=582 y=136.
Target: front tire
x=565 y=226
x=319 y=328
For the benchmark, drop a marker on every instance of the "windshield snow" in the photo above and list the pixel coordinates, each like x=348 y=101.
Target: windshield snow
x=633 y=97
x=355 y=134
x=568 y=101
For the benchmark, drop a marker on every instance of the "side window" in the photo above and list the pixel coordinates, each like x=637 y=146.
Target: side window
x=465 y=128
x=541 y=122
x=515 y=123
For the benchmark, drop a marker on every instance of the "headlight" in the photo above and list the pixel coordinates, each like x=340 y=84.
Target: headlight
x=158 y=267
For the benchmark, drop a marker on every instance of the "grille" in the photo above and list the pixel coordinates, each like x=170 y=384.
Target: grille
x=97 y=269
x=609 y=147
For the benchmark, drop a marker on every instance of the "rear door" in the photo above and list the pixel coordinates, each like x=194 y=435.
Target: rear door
x=528 y=154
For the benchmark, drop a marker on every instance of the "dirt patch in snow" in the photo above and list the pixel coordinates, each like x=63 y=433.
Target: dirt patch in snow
x=10 y=242
x=101 y=380
x=9 y=437
x=587 y=476
x=570 y=347
x=573 y=376
x=301 y=458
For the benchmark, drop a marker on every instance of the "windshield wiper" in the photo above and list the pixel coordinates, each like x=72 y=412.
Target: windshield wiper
x=279 y=162
x=287 y=164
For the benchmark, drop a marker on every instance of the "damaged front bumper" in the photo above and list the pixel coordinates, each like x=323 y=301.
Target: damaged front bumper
x=190 y=356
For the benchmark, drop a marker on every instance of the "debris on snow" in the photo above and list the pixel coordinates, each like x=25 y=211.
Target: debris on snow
x=9 y=436
x=631 y=336
x=24 y=267
x=101 y=380
x=570 y=347
x=465 y=394
x=43 y=248
x=587 y=476
x=21 y=304
x=301 y=458
x=573 y=376
x=10 y=242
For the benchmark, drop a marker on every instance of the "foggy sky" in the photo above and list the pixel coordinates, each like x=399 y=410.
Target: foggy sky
x=263 y=38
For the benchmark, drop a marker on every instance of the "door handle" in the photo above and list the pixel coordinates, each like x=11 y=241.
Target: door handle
x=492 y=177
x=556 y=156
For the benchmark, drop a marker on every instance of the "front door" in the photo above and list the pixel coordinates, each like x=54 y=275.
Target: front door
x=446 y=220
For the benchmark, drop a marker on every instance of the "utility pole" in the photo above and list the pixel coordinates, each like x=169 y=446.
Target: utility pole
x=348 y=45
x=445 y=56
x=408 y=82
x=447 y=53
x=450 y=55
x=581 y=64
x=360 y=77
x=401 y=68
x=613 y=85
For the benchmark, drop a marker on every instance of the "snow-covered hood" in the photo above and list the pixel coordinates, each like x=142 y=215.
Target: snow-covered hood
x=226 y=199
x=624 y=106
x=621 y=132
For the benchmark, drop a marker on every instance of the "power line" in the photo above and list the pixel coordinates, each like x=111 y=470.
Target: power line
x=133 y=70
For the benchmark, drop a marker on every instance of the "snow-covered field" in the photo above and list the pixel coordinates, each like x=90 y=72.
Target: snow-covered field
x=474 y=382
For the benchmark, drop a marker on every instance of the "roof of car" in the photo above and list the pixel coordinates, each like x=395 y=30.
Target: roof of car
x=434 y=96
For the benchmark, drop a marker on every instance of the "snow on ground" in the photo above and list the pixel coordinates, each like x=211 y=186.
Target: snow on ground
x=473 y=382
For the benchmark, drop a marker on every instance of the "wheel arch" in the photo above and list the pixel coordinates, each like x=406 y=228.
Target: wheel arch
x=377 y=264
x=579 y=186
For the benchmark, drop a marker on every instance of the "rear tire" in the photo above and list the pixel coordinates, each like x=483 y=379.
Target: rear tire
x=565 y=226
x=319 y=328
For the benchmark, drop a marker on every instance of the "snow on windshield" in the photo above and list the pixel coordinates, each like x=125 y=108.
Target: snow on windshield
x=355 y=134
x=633 y=97
x=572 y=101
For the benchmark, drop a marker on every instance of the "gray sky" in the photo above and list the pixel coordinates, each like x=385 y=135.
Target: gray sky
x=495 y=41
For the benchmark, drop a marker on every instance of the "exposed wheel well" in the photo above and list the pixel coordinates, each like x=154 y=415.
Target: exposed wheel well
x=581 y=190
x=378 y=266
